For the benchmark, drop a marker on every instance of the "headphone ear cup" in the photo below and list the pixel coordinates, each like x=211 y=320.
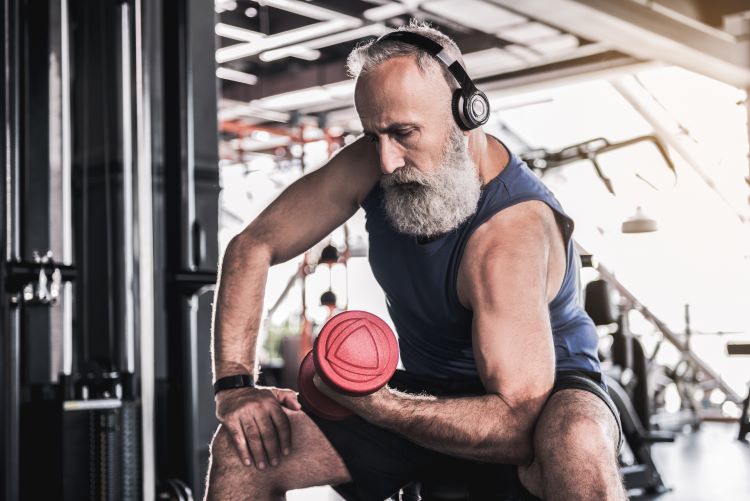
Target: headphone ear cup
x=457 y=106
x=477 y=108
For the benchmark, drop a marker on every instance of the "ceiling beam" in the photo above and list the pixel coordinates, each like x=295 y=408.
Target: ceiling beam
x=643 y=32
x=590 y=67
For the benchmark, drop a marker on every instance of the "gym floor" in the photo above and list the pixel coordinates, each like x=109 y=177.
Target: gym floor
x=706 y=465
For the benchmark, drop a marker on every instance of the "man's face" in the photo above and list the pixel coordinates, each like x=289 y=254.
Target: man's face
x=430 y=182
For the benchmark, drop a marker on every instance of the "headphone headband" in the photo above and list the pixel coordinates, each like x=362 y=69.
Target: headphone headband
x=471 y=108
x=434 y=48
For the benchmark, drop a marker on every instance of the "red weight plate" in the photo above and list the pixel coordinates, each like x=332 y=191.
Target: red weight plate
x=356 y=353
x=318 y=402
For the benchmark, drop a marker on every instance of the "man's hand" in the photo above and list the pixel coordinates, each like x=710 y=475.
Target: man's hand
x=361 y=406
x=257 y=423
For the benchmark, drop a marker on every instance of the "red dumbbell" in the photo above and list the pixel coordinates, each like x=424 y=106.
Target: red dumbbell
x=356 y=353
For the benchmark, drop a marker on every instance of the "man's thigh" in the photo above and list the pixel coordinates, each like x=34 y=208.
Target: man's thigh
x=312 y=461
x=576 y=440
x=379 y=462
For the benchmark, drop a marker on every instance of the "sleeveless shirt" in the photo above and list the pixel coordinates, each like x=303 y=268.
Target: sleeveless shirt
x=419 y=281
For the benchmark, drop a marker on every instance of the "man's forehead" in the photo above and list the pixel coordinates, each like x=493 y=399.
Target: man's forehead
x=397 y=73
x=393 y=97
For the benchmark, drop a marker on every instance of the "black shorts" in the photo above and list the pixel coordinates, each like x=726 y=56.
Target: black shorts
x=381 y=462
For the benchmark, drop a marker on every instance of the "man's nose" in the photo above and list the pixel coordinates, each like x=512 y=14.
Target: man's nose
x=391 y=156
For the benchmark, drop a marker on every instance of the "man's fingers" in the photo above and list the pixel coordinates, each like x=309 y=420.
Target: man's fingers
x=238 y=439
x=252 y=435
x=284 y=429
x=288 y=399
x=269 y=437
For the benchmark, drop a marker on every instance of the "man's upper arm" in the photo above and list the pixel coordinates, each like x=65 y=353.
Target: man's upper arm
x=504 y=280
x=316 y=204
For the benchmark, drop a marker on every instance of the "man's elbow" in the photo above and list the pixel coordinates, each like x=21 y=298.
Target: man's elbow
x=518 y=446
x=246 y=245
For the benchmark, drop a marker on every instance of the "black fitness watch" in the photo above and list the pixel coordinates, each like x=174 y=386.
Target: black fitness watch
x=231 y=382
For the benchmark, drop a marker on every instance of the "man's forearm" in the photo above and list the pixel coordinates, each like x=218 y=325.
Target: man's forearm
x=238 y=302
x=483 y=428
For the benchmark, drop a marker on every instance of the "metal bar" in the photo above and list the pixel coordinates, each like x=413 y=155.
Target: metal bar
x=645 y=106
x=93 y=404
x=738 y=348
x=663 y=328
x=606 y=65
x=190 y=282
x=67 y=189
x=182 y=403
x=747 y=127
x=188 y=136
x=128 y=355
x=19 y=274
x=13 y=198
x=145 y=256
x=9 y=315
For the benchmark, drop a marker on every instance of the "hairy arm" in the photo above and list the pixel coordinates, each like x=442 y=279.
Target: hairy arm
x=504 y=279
x=302 y=215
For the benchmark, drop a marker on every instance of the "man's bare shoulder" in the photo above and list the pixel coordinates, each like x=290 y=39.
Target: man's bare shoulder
x=515 y=237
x=529 y=222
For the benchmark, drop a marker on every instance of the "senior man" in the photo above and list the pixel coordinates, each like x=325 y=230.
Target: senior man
x=502 y=386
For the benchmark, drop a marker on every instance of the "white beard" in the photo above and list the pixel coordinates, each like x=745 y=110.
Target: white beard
x=428 y=205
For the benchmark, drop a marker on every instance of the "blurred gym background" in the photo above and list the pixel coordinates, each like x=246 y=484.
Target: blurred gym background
x=140 y=135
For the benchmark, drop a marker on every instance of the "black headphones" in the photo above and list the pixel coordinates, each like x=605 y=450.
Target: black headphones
x=470 y=106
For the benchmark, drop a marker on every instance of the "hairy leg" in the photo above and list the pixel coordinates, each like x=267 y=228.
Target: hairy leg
x=312 y=461
x=575 y=450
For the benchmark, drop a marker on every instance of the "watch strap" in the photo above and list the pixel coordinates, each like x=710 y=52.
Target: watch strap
x=231 y=382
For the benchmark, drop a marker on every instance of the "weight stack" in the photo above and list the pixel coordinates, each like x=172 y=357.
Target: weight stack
x=130 y=452
x=104 y=444
x=77 y=450
x=114 y=453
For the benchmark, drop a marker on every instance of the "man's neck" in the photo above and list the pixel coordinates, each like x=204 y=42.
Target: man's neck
x=489 y=155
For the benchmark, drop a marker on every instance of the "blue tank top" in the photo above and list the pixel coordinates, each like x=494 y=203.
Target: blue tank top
x=419 y=281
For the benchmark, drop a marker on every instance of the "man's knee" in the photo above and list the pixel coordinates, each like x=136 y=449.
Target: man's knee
x=580 y=436
x=577 y=424
x=227 y=469
x=575 y=458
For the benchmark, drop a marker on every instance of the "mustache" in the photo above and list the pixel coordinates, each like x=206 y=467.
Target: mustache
x=404 y=176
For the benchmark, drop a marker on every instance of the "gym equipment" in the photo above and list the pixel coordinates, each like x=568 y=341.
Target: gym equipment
x=709 y=378
x=328 y=298
x=742 y=349
x=174 y=489
x=628 y=378
x=88 y=427
x=329 y=255
x=313 y=398
x=355 y=353
x=471 y=108
x=540 y=159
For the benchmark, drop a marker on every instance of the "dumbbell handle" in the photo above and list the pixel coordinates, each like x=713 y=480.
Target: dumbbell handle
x=313 y=398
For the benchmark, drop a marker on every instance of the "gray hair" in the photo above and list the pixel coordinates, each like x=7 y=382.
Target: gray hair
x=368 y=56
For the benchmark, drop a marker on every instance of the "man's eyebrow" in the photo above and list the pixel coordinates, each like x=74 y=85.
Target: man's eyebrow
x=394 y=127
